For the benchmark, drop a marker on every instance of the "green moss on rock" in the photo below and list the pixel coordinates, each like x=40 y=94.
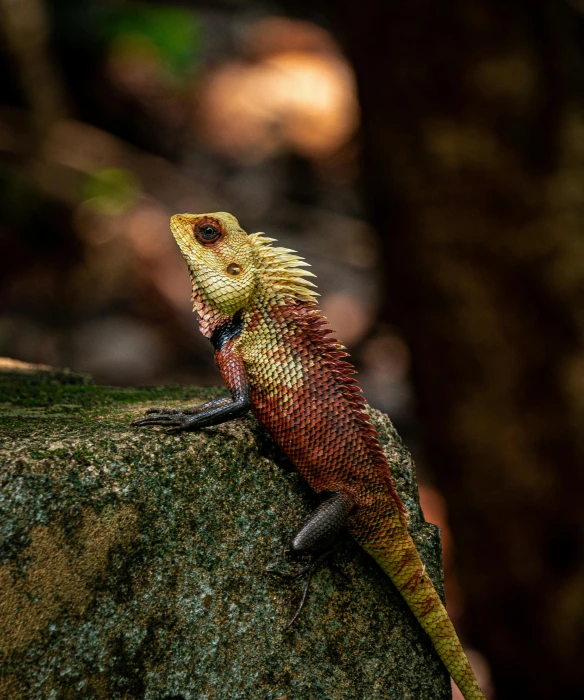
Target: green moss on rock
x=132 y=562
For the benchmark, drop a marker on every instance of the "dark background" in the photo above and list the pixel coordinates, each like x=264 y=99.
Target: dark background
x=426 y=158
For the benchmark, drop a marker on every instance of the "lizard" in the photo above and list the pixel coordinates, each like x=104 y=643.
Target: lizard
x=278 y=359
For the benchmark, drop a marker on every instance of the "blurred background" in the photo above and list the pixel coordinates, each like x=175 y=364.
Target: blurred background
x=426 y=158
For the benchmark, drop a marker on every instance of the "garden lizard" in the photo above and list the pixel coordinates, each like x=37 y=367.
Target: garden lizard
x=278 y=360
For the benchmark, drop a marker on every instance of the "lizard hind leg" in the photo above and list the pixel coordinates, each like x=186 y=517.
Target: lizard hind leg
x=317 y=538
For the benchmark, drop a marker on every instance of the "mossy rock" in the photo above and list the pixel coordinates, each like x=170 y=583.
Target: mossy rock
x=132 y=562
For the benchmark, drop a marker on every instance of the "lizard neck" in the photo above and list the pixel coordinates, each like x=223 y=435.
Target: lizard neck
x=210 y=318
x=275 y=316
x=268 y=308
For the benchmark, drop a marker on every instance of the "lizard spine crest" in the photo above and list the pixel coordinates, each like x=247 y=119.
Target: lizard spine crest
x=282 y=270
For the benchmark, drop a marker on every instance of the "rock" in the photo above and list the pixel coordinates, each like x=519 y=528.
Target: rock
x=132 y=562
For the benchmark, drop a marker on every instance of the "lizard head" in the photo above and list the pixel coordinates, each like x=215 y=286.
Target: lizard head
x=229 y=268
x=220 y=259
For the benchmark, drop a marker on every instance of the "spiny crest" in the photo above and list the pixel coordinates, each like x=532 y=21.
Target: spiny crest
x=282 y=269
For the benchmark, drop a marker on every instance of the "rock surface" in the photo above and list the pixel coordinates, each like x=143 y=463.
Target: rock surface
x=131 y=562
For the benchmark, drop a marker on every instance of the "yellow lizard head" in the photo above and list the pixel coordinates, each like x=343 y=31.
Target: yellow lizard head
x=219 y=257
x=229 y=268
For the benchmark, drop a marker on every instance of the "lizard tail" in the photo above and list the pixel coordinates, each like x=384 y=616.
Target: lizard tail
x=400 y=560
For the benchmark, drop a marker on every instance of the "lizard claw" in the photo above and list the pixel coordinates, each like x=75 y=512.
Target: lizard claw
x=155 y=419
x=163 y=411
x=175 y=422
x=174 y=431
x=310 y=571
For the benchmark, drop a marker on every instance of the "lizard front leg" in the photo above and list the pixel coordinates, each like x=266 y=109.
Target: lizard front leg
x=213 y=412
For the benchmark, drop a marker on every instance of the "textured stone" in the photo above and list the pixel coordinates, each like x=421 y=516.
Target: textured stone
x=132 y=562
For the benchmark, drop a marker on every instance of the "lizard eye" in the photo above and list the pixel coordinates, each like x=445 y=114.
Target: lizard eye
x=207 y=233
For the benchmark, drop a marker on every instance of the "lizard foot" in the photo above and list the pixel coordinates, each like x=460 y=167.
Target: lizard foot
x=308 y=571
x=173 y=422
